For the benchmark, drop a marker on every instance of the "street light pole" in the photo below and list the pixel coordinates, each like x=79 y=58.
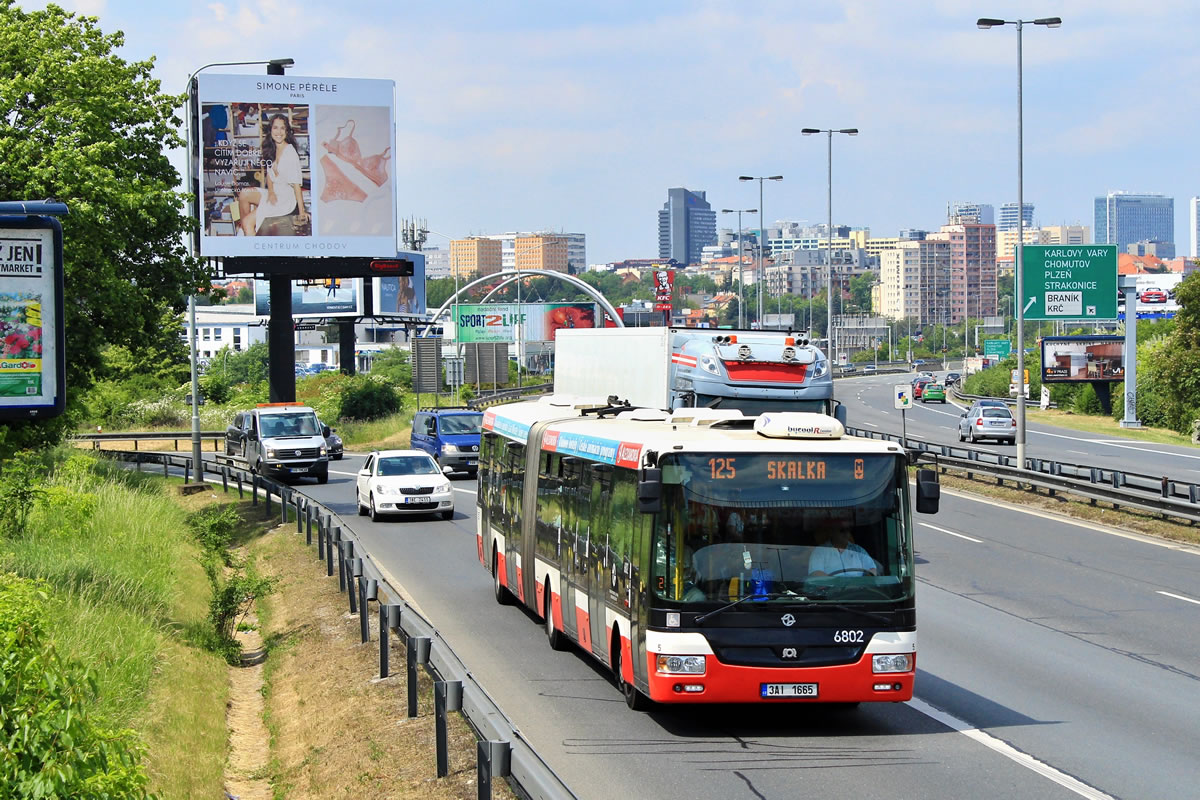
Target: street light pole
x=829 y=231
x=741 y=277
x=274 y=66
x=986 y=23
x=762 y=237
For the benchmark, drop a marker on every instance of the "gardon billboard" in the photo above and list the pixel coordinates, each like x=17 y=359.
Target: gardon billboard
x=498 y=322
x=296 y=166
x=1082 y=359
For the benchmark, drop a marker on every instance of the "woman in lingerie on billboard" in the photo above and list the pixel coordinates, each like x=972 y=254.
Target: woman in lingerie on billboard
x=281 y=168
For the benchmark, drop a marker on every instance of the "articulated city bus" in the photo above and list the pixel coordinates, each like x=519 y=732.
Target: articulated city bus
x=705 y=556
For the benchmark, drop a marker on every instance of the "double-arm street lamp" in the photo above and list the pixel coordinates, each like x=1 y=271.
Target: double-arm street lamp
x=829 y=232
x=741 y=277
x=986 y=23
x=275 y=66
x=762 y=239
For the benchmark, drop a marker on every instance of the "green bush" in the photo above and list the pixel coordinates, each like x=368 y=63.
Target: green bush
x=52 y=747
x=21 y=487
x=367 y=398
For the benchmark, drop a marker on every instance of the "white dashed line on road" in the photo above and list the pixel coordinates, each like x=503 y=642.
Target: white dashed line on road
x=952 y=533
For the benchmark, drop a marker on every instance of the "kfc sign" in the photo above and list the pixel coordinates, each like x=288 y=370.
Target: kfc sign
x=664 y=283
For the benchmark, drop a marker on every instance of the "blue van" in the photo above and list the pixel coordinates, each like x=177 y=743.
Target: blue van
x=450 y=435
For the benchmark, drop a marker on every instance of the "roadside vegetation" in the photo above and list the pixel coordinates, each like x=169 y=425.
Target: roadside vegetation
x=110 y=684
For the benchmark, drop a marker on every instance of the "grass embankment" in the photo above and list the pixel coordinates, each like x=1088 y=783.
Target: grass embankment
x=128 y=600
x=1106 y=426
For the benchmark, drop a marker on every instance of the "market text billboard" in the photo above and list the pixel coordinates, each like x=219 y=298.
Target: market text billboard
x=32 y=369
x=498 y=322
x=296 y=166
x=1082 y=359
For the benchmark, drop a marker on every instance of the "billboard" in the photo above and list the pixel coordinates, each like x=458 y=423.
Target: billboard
x=1071 y=359
x=664 y=286
x=32 y=368
x=295 y=166
x=326 y=297
x=401 y=295
x=498 y=322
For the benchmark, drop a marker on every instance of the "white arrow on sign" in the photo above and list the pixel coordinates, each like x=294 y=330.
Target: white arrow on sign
x=1032 y=300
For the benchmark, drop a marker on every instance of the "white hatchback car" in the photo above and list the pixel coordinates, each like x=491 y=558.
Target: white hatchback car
x=403 y=482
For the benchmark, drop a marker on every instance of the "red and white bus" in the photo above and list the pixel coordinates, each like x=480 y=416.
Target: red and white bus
x=704 y=556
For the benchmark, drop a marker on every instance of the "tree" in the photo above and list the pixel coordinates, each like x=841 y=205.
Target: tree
x=81 y=125
x=860 y=291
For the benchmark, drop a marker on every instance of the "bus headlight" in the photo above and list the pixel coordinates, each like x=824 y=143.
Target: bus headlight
x=896 y=662
x=680 y=665
x=709 y=364
x=820 y=368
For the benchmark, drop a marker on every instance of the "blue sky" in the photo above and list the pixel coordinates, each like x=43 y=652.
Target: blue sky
x=579 y=116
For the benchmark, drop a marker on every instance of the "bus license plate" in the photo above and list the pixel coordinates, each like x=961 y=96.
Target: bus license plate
x=418 y=499
x=770 y=690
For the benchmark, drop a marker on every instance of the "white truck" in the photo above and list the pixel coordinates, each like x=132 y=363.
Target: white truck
x=670 y=368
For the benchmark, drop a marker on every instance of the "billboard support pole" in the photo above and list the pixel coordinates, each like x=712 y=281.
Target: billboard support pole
x=1128 y=285
x=281 y=342
x=346 y=345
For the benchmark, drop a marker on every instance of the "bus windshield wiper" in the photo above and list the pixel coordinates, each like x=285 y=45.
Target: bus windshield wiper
x=771 y=596
x=799 y=600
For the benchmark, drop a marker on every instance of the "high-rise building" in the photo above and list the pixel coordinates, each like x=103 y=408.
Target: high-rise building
x=541 y=251
x=1008 y=217
x=1194 y=226
x=1123 y=218
x=474 y=256
x=437 y=263
x=913 y=280
x=686 y=224
x=979 y=213
x=972 y=269
x=1065 y=234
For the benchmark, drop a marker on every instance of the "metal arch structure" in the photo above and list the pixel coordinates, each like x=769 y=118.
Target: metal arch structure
x=513 y=275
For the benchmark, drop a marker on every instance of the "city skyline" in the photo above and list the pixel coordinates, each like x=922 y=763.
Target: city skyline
x=578 y=121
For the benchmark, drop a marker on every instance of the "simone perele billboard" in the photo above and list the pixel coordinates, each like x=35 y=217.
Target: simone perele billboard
x=296 y=166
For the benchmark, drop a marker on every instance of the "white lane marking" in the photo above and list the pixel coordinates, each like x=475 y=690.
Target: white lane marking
x=1008 y=751
x=952 y=533
x=464 y=491
x=1085 y=524
x=1114 y=443
x=336 y=472
x=872 y=424
x=1180 y=597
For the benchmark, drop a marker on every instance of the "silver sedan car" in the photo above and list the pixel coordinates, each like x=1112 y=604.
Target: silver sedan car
x=987 y=422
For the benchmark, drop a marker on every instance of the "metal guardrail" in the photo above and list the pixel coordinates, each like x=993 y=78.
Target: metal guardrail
x=135 y=437
x=1150 y=493
x=506 y=395
x=502 y=750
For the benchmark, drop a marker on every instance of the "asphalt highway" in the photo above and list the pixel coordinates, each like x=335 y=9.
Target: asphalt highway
x=1055 y=660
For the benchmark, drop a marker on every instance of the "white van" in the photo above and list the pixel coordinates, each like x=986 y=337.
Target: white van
x=280 y=440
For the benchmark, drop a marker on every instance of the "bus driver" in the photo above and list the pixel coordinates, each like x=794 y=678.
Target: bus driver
x=840 y=556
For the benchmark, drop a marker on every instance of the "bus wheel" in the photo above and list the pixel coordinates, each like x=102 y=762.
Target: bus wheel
x=633 y=698
x=502 y=595
x=558 y=641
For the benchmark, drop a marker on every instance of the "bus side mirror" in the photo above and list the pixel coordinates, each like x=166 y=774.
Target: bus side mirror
x=929 y=492
x=649 y=491
x=839 y=413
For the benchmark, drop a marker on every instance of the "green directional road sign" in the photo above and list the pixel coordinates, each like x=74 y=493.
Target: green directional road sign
x=1069 y=281
x=997 y=347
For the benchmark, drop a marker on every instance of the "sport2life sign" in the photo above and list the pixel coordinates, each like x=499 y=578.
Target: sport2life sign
x=1076 y=282
x=537 y=322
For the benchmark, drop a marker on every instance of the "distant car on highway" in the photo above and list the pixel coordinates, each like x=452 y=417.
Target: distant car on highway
x=933 y=391
x=918 y=386
x=920 y=362
x=847 y=369
x=952 y=377
x=987 y=422
x=991 y=402
x=869 y=368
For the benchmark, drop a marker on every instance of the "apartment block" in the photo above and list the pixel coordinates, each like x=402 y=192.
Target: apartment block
x=474 y=257
x=541 y=251
x=972 y=269
x=914 y=281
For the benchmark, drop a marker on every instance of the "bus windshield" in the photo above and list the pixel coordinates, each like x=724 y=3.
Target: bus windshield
x=783 y=528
